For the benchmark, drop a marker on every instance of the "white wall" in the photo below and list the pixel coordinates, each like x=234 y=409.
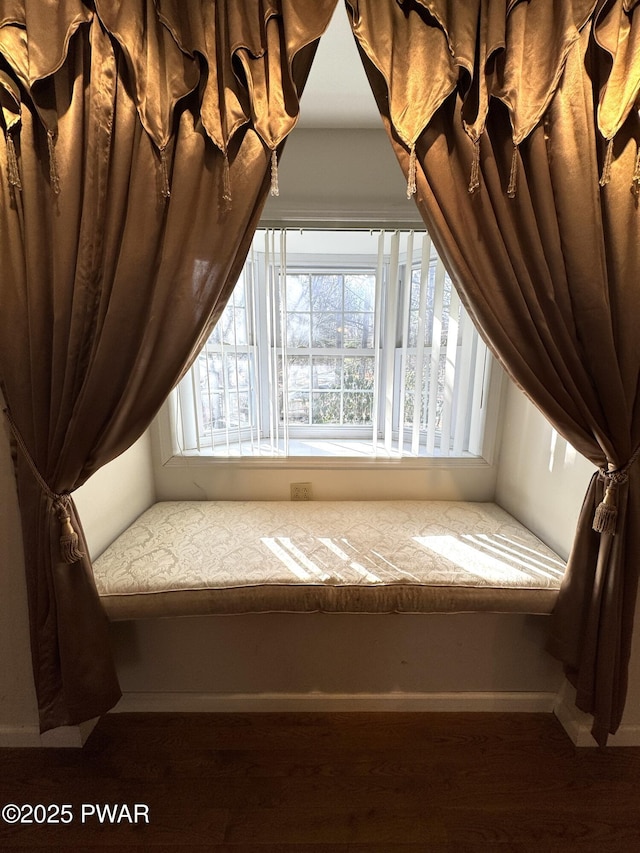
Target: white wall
x=340 y=175
x=116 y=495
x=542 y=481
x=107 y=504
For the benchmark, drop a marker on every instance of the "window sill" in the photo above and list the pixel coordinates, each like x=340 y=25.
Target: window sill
x=315 y=453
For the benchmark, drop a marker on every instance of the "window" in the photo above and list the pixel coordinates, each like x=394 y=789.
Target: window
x=338 y=342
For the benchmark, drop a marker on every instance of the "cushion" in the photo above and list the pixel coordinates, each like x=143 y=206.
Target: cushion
x=194 y=557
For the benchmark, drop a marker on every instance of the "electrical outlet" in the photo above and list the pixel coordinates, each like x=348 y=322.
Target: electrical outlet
x=300 y=491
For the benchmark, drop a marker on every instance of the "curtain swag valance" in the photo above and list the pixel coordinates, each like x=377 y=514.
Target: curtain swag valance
x=237 y=56
x=513 y=52
x=240 y=64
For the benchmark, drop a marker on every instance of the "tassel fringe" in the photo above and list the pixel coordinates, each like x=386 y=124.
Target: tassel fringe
x=166 y=188
x=606 y=166
x=513 y=175
x=606 y=515
x=54 y=178
x=69 y=540
x=12 y=164
x=411 y=177
x=474 y=179
x=275 y=189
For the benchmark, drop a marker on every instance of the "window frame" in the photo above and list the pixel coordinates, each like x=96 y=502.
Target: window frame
x=492 y=391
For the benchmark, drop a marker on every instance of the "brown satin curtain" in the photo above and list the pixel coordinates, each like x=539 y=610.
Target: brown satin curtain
x=516 y=111
x=134 y=163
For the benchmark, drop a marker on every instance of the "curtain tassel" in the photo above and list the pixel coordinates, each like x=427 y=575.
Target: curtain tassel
x=474 y=180
x=275 y=189
x=69 y=539
x=166 y=189
x=54 y=178
x=635 y=183
x=606 y=514
x=12 y=164
x=411 y=176
x=513 y=175
x=69 y=550
x=226 y=180
x=606 y=167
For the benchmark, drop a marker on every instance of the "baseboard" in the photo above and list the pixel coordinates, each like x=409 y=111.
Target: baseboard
x=331 y=702
x=28 y=737
x=19 y=736
x=578 y=725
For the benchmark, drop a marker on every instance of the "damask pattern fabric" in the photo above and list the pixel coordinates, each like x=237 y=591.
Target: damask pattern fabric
x=186 y=557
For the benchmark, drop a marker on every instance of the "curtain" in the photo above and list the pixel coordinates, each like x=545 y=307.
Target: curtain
x=517 y=126
x=138 y=145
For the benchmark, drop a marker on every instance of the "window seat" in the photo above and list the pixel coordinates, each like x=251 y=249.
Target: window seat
x=184 y=558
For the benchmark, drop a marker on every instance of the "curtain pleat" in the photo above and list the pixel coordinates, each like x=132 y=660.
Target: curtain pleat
x=124 y=223
x=527 y=179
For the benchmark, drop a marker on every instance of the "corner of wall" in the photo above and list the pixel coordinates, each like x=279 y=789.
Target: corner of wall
x=541 y=478
x=116 y=495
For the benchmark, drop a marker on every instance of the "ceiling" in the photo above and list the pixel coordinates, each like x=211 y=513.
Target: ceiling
x=337 y=93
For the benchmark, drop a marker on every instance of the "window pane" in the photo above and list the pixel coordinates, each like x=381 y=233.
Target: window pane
x=231 y=328
x=358 y=331
x=326 y=372
x=326 y=292
x=359 y=292
x=298 y=407
x=326 y=407
x=211 y=372
x=298 y=327
x=327 y=330
x=298 y=293
x=359 y=372
x=237 y=367
x=358 y=407
x=299 y=372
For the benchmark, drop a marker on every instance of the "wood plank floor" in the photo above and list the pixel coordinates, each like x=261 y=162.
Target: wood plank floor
x=379 y=782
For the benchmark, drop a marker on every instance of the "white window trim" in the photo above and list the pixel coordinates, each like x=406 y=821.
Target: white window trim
x=489 y=425
x=171 y=456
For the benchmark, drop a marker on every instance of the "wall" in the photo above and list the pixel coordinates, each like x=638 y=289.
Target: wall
x=337 y=175
x=285 y=661
x=542 y=481
x=116 y=495
x=108 y=503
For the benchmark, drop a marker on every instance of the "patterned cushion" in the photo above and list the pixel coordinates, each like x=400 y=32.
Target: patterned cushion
x=191 y=557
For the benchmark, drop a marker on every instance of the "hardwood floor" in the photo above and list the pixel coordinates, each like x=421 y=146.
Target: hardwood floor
x=379 y=783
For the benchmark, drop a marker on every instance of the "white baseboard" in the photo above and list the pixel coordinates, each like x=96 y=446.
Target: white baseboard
x=29 y=736
x=332 y=702
x=578 y=725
